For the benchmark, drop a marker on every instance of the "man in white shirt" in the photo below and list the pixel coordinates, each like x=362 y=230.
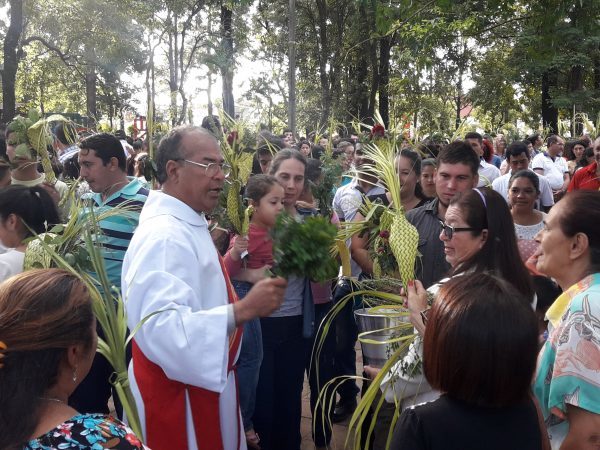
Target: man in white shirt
x=553 y=166
x=487 y=172
x=517 y=156
x=182 y=372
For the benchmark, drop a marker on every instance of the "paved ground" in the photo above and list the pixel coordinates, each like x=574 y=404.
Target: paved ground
x=339 y=430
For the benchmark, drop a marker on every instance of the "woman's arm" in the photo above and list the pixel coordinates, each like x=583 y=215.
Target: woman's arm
x=584 y=430
x=359 y=250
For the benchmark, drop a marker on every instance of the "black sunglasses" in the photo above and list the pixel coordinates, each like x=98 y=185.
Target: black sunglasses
x=450 y=230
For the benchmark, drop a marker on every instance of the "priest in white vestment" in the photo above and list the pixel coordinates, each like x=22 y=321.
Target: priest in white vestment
x=182 y=370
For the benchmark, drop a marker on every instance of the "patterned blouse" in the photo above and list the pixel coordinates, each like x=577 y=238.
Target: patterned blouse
x=88 y=431
x=568 y=369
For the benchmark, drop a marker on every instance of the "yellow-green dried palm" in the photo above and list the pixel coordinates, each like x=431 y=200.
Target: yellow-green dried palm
x=234 y=206
x=36 y=256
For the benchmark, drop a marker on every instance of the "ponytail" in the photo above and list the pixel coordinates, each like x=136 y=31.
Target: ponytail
x=33 y=205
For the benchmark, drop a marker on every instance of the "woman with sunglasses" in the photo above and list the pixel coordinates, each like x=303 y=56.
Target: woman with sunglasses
x=479 y=237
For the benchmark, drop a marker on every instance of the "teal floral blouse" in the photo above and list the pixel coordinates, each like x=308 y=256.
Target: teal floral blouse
x=88 y=431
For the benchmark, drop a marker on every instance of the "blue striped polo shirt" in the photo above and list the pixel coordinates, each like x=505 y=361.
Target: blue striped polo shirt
x=117 y=230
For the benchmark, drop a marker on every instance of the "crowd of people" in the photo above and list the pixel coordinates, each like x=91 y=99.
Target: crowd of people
x=505 y=302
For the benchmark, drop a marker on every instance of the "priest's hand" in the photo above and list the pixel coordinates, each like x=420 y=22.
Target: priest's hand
x=264 y=298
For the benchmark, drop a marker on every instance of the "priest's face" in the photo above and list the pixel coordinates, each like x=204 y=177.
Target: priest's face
x=199 y=185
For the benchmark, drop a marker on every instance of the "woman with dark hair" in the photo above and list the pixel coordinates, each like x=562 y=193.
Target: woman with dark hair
x=47 y=344
x=479 y=237
x=428 y=167
x=261 y=160
x=567 y=382
x=573 y=152
x=523 y=192
x=305 y=148
x=587 y=158
x=408 y=168
x=480 y=349
x=23 y=212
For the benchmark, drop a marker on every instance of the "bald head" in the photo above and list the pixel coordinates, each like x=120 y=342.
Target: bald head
x=173 y=147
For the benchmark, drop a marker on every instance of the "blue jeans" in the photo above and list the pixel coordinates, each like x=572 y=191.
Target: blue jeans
x=249 y=360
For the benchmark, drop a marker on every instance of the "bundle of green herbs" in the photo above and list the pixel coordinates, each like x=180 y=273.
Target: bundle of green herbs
x=302 y=247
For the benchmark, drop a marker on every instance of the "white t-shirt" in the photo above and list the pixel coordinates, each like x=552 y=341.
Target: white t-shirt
x=500 y=185
x=554 y=170
x=487 y=173
x=11 y=263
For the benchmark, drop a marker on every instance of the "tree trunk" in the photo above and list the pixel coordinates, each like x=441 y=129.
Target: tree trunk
x=358 y=71
x=292 y=68
x=575 y=89
x=323 y=58
x=209 y=93
x=227 y=67
x=549 y=111
x=385 y=48
x=11 y=60
x=90 y=94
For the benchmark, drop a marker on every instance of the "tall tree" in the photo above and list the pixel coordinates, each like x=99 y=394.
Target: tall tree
x=11 y=59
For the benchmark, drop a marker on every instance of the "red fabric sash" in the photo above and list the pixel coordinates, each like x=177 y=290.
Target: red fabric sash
x=164 y=399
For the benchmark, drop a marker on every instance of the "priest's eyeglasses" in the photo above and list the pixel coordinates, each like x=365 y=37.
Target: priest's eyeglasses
x=212 y=169
x=449 y=230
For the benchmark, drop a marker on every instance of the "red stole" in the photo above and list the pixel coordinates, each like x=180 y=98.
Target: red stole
x=164 y=399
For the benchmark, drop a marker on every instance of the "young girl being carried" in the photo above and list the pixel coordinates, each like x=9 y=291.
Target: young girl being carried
x=265 y=195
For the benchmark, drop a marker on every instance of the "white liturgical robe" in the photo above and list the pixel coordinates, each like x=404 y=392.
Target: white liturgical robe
x=172 y=266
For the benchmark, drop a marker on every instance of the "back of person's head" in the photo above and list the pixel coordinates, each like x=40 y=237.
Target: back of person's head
x=546 y=291
x=343 y=144
x=106 y=146
x=481 y=342
x=459 y=152
x=317 y=151
x=313 y=170
x=517 y=148
x=285 y=154
x=533 y=138
x=3 y=154
x=212 y=124
x=33 y=205
x=42 y=314
x=271 y=142
x=485 y=209
x=258 y=186
x=580 y=213
x=71 y=168
x=587 y=154
x=66 y=133
x=137 y=145
x=474 y=135
x=488 y=150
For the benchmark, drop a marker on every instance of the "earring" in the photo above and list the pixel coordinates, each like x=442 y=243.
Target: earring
x=75 y=375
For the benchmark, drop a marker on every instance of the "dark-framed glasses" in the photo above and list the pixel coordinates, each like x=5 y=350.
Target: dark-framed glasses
x=449 y=230
x=212 y=169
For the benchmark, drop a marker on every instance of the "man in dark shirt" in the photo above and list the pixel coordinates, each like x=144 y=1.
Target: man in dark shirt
x=457 y=171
